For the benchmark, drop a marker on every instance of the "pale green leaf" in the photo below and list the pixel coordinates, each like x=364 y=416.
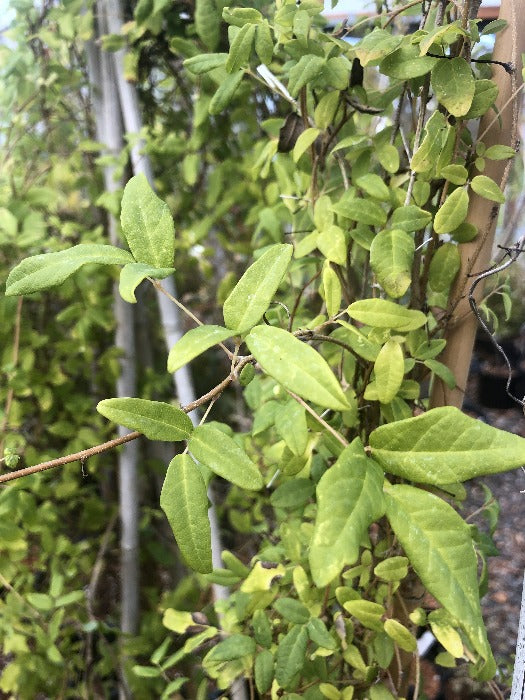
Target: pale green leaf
x=223 y=456
x=444 y=446
x=225 y=92
x=456 y=174
x=326 y=109
x=435 y=132
x=391 y=256
x=264 y=43
x=374 y=186
x=305 y=70
x=388 y=155
x=336 y=72
x=133 y=274
x=290 y=421
x=410 y=218
x=454 y=85
x=437 y=541
x=332 y=290
x=332 y=244
x=400 y=635
x=485 y=95
x=297 y=366
x=376 y=46
x=155 y=419
x=147 y=224
x=443 y=269
x=41 y=272
x=389 y=369
x=239 y=16
x=382 y=313
x=452 y=212
x=405 y=63
x=195 y=342
x=392 y=569
x=203 y=63
x=349 y=497
x=184 y=500
x=499 y=152
x=291 y=655
x=207 y=22
x=487 y=188
x=235 y=647
x=241 y=48
x=359 y=343
x=368 y=613
x=364 y=211
x=304 y=142
x=252 y=295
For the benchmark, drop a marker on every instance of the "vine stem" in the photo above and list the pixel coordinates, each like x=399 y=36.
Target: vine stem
x=318 y=418
x=111 y=444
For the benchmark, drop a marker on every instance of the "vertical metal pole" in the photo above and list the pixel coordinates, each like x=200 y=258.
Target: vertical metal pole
x=518 y=679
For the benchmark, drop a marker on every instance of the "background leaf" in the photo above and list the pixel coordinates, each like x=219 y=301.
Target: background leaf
x=195 y=342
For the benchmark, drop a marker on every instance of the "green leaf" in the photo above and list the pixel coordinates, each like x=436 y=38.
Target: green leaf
x=401 y=636
x=456 y=174
x=155 y=419
x=464 y=233
x=223 y=456
x=487 y=188
x=225 y=92
x=438 y=543
x=392 y=569
x=452 y=212
x=184 y=500
x=297 y=366
x=147 y=224
x=326 y=109
x=51 y=269
x=195 y=342
x=405 y=63
x=359 y=342
x=239 y=16
x=388 y=156
x=292 y=494
x=349 y=497
x=442 y=371
x=320 y=635
x=332 y=290
x=292 y=610
x=444 y=446
x=133 y=274
x=376 y=46
x=454 y=85
x=291 y=655
x=389 y=369
x=263 y=671
x=290 y=421
x=264 y=43
x=304 y=142
x=235 y=647
x=495 y=26
x=203 y=63
x=146 y=671
x=443 y=269
x=305 y=70
x=368 y=613
x=262 y=630
x=386 y=314
x=364 y=211
x=241 y=48
x=391 y=256
x=253 y=293
x=207 y=23
x=485 y=95
x=374 y=186
x=331 y=242
x=434 y=136
x=499 y=152
x=410 y=218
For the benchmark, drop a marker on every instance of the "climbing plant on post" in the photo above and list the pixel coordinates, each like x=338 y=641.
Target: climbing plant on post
x=370 y=154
